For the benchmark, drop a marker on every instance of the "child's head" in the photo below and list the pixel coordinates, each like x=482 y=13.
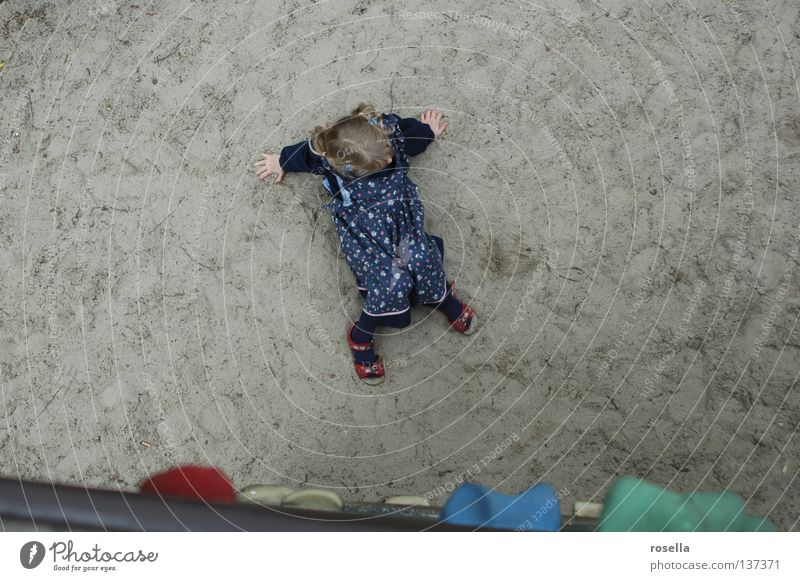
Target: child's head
x=355 y=145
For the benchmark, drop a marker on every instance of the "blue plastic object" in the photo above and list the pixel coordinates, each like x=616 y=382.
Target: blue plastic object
x=473 y=505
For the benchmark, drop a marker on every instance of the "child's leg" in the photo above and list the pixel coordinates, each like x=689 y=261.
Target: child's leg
x=462 y=316
x=364 y=331
x=449 y=305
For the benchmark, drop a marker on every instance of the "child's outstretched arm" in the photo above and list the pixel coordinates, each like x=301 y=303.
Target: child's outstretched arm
x=299 y=157
x=420 y=133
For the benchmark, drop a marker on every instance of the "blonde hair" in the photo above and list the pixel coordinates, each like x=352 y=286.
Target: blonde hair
x=353 y=140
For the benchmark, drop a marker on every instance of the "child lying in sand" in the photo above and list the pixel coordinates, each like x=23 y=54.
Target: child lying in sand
x=380 y=220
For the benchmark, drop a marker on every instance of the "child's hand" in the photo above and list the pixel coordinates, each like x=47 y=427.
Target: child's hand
x=433 y=118
x=270 y=165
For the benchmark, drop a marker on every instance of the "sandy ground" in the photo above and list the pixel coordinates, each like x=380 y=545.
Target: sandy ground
x=617 y=193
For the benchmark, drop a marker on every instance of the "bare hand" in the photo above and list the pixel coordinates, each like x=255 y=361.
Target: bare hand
x=269 y=165
x=433 y=118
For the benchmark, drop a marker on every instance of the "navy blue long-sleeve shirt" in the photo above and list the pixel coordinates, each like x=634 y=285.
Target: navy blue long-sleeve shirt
x=301 y=157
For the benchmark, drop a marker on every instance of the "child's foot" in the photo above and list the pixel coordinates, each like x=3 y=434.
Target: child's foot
x=368 y=366
x=467 y=320
x=370 y=373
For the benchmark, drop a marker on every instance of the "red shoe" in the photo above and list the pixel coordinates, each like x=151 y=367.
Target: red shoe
x=369 y=373
x=467 y=321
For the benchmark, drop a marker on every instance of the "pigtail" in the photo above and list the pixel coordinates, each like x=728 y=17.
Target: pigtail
x=364 y=109
x=318 y=140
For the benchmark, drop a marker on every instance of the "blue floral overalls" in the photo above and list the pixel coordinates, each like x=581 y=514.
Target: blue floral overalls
x=380 y=222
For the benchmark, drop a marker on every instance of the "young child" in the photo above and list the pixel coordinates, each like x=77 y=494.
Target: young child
x=380 y=221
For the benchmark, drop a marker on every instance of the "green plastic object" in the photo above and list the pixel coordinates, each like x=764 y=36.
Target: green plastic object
x=636 y=505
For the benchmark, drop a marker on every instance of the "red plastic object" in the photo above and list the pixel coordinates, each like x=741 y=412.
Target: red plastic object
x=191 y=482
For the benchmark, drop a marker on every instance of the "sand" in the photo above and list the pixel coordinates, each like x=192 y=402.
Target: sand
x=617 y=193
